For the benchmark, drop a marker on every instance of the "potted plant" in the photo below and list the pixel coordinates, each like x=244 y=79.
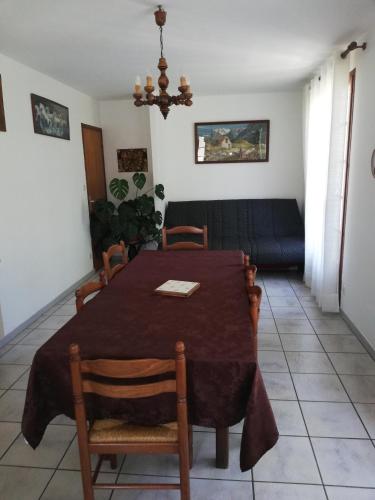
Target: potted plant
x=135 y=221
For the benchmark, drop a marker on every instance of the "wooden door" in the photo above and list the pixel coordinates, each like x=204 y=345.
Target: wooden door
x=95 y=172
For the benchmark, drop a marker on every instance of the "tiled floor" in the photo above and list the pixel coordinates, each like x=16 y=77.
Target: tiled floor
x=319 y=378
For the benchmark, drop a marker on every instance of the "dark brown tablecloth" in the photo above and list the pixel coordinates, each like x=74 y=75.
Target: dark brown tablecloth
x=127 y=320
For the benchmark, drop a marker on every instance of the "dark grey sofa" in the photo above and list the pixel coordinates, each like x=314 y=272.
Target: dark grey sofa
x=270 y=231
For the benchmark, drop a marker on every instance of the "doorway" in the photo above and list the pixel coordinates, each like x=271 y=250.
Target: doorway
x=92 y=138
x=345 y=188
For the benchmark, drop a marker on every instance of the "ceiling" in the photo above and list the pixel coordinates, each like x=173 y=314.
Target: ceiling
x=99 y=46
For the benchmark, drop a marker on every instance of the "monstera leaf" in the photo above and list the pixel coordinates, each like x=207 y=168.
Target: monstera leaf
x=139 y=180
x=145 y=205
x=104 y=210
x=157 y=217
x=119 y=188
x=159 y=191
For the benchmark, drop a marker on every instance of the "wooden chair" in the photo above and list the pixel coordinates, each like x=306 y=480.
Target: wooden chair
x=86 y=290
x=109 y=437
x=250 y=271
x=110 y=272
x=185 y=245
x=255 y=298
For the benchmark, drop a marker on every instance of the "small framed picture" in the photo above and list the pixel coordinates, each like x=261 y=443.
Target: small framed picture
x=132 y=160
x=50 y=118
x=232 y=142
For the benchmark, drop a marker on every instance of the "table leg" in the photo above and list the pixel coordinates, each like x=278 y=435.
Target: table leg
x=222 y=447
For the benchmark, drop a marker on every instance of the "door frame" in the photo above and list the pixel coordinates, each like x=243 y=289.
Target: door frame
x=97 y=262
x=352 y=77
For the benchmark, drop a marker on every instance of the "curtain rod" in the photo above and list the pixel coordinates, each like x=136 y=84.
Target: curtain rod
x=353 y=46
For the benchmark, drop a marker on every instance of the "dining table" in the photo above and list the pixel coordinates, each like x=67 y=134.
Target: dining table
x=129 y=320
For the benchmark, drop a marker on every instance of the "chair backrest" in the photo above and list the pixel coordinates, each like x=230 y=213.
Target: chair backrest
x=122 y=369
x=86 y=290
x=255 y=298
x=185 y=245
x=118 y=249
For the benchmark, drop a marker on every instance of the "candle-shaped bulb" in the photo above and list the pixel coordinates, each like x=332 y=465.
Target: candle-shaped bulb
x=183 y=80
x=149 y=81
x=137 y=86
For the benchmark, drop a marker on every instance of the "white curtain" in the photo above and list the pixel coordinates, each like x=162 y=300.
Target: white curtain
x=326 y=105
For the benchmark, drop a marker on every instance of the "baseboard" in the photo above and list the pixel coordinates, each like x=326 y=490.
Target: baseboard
x=7 y=338
x=359 y=335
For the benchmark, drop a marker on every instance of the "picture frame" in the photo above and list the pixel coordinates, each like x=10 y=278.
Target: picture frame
x=243 y=141
x=50 y=118
x=132 y=160
x=3 y=127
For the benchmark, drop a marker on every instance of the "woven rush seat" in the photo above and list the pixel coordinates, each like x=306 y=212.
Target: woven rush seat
x=117 y=431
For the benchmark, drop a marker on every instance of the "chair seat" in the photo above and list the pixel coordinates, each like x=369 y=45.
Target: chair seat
x=118 y=431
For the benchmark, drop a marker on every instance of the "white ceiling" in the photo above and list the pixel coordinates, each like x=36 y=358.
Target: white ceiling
x=238 y=46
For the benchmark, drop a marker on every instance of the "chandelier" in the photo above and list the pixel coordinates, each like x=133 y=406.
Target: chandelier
x=163 y=100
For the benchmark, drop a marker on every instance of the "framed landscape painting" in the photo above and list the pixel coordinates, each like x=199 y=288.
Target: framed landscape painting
x=50 y=118
x=132 y=160
x=2 y=112
x=232 y=142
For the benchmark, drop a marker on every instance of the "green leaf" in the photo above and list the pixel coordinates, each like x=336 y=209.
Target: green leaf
x=159 y=191
x=145 y=205
x=127 y=212
x=119 y=188
x=139 y=180
x=104 y=210
x=157 y=217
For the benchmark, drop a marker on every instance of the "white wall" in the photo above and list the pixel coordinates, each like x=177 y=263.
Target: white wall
x=124 y=126
x=358 y=298
x=173 y=149
x=45 y=244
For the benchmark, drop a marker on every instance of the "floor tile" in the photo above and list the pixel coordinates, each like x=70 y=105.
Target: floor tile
x=203 y=462
x=332 y=420
x=294 y=326
x=353 y=364
x=55 y=322
x=284 y=302
x=11 y=406
x=200 y=489
x=19 y=355
x=9 y=374
x=63 y=420
x=288 y=313
x=272 y=361
x=345 y=462
x=309 y=362
x=336 y=493
x=38 y=336
x=308 y=301
x=316 y=387
x=367 y=414
x=279 y=386
x=330 y=326
x=288 y=418
x=279 y=291
x=8 y=433
x=5 y=349
x=265 y=314
x=341 y=343
x=22 y=382
x=293 y=342
x=48 y=454
x=269 y=342
x=66 y=310
x=265 y=326
x=361 y=389
x=71 y=460
x=274 y=491
x=291 y=460
x=315 y=312
x=301 y=290
x=23 y=483
x=67 y=485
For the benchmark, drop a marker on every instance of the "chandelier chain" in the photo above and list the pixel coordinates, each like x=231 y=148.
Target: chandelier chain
x=161 y=42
